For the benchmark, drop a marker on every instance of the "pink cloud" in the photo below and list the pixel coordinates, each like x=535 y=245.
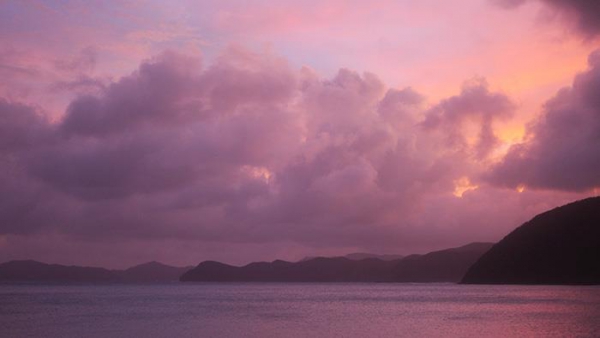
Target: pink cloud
x=241 y=153
x=583 y=14
x=561 y=147
x=249 y=150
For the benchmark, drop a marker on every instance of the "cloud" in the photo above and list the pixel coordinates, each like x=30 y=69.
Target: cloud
x=23 y=209
x=169 y=124
x=508 y=3
x=561 y=148
x=243 y=155
x=250 y=151
x=475 y=104
x=157 y=93
x=21 y=127
x=84 y=62
x=584 y=14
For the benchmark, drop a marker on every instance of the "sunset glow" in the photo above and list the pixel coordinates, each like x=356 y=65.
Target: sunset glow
x=239 y=131
x=463 y=185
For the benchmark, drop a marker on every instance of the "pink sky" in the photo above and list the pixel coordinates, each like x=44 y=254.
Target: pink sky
x=183 y=131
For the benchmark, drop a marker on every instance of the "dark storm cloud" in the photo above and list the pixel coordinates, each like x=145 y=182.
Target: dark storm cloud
x=562 y=147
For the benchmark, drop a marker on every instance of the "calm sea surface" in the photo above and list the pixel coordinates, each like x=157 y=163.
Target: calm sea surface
x=298 y=310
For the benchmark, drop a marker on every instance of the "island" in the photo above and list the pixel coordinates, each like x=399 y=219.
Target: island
x=440 y=266
x=560 y=246
x=34 y=271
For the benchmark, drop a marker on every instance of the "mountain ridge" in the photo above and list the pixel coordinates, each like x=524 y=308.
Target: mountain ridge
x=448 y=265
x=559 y=246
x=31 y=270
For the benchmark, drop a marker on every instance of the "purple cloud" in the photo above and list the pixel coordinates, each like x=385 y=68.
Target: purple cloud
x=22 y=127
x=475 y=104
x=508 y=3
x=246 y=151
x=561 y=147
x=585 y=14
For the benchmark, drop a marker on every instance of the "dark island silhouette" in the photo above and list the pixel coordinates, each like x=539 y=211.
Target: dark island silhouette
x=439 y=266
x=560 y=246
x=33 y=271
x=29 y=270
x=153 y=272
x=363 y=255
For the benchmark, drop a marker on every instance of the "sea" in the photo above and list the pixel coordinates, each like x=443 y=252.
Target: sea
x=298 y=310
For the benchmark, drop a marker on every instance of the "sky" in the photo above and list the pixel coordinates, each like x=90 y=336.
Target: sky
x=238 y=131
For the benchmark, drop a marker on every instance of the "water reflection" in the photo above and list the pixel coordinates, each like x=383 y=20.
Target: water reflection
x=298 y=310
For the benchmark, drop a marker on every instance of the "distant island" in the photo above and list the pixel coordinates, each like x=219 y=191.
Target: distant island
x=363 y=255
x=560 y=246
x=439 y=266
x=33 y=271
